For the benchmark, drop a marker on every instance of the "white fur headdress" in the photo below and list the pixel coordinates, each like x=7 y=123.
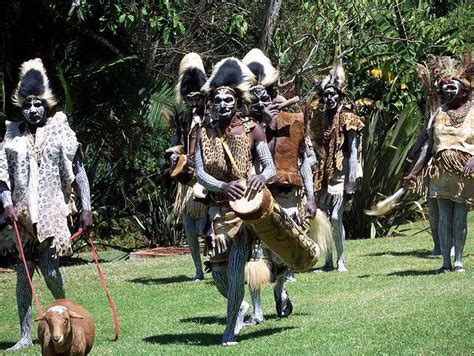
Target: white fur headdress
x=266 y=74
x=336 y=76
x=33 y=81
x=231 y=73
x=192 y=76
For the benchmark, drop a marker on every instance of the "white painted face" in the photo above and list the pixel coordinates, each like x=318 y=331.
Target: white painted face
x=33 y=110
x=260 y=99
x=331 y=98
x=449 y=90
x=195 y=99
x=225 y=103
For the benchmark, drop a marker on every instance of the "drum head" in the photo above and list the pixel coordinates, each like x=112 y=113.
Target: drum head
x=253 y=204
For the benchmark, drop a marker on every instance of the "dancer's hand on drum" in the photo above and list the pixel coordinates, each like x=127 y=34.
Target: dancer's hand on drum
x=256 y=182
x=469 y=168
x=234 y=190
x=85 y=221
x=10 y=214
x=311 y=208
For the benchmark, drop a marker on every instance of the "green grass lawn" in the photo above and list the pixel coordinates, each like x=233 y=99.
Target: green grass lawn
x=390 y=302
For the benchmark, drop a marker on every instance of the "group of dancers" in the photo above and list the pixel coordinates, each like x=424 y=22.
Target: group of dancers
x=243 y=135
x=262 y=178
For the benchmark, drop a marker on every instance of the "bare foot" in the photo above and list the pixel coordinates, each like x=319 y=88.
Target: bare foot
x=23 y=343
x=253 y=320
x=341 y=267
x=325 y=268
x=239 y=324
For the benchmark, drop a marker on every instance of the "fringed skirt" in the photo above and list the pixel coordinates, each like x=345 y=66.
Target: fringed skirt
x=185 y=204
x=446 y=178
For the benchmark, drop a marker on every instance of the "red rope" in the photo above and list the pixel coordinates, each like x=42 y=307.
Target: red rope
x=22 y=254
x=102 y=280
x=95 y=257
x=77 y=234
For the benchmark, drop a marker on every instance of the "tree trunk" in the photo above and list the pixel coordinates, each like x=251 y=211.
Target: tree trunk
x=269 y=22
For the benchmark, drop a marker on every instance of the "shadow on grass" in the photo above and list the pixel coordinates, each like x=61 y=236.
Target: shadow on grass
x=208 y=339
x=412 y=273
x=414 y=253
x=5 y=345
x=164 y=280
x=221 y=320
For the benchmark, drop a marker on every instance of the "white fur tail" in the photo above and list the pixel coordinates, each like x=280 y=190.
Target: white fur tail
x=257 y=274
x=387 y=205
x=320 y=231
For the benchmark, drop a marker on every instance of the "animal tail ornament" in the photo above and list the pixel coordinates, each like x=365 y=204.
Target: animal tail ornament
x=320 y=231
x=387 y=205
x=257 y=274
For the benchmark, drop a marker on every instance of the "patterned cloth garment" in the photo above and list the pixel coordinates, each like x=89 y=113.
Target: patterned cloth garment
x=453 y=145
x=330 y=149
x=217 y=163
x=38 y=169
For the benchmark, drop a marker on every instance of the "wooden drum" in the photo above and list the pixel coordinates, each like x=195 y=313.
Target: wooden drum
x=276 y=229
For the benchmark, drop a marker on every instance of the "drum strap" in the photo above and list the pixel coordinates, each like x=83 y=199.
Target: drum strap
x=229 y=153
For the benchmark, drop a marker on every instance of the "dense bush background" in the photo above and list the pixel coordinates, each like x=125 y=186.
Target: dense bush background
x=114 y=64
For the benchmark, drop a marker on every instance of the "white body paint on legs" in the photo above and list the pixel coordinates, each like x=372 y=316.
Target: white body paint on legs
x=192 y=229
x=452 y=228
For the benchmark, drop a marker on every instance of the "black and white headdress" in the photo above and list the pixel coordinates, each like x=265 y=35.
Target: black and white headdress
x=233 y=74
x=336 y=78
x=33 y=82
x=192 y=76
x=265 y=73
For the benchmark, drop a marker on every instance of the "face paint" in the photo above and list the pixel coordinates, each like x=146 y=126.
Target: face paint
x=225 y=103
x=331 y=98
x=33 y=110
x=195 y=99
x=449 y=90
x=259 y=100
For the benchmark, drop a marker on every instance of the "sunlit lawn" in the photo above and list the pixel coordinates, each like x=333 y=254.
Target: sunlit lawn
x=390 y=302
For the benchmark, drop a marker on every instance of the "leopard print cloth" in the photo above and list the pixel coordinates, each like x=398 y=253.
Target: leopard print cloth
x=217 y=163
x=39 y=171
x=330 y=148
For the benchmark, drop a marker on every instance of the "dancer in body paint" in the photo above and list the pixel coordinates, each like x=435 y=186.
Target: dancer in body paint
x=40 y=164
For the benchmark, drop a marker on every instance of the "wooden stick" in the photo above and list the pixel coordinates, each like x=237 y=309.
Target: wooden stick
x=289 y=102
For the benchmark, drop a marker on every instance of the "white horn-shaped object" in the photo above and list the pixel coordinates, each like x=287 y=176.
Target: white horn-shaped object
x=387 y=205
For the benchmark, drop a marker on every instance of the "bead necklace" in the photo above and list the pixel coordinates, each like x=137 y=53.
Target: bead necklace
x=457 y=117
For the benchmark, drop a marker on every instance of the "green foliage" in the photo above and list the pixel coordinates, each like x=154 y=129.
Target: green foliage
x=379 y=42
x=161 y=224
x=384 y=151
x=114 y=65
x=160 y=17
